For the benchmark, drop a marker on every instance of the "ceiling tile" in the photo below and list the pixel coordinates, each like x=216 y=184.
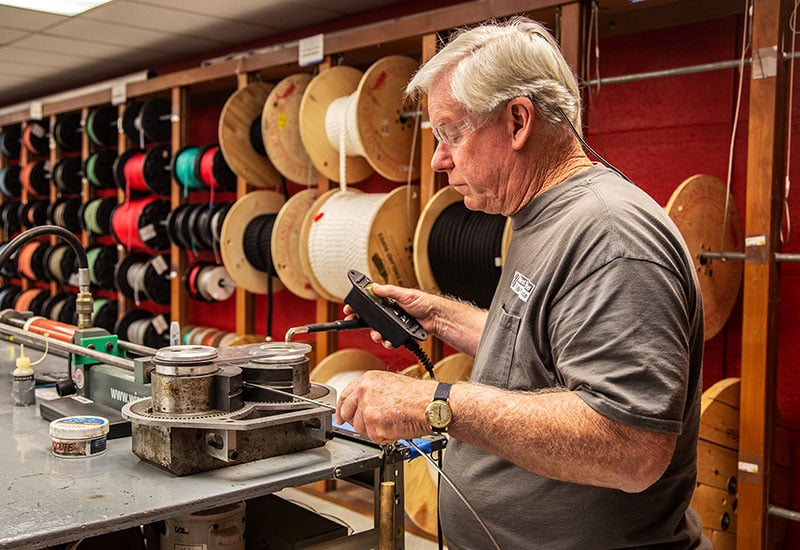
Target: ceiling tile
x=131 y=37
x=28 y=19
x=251 y=11
x=8 y=36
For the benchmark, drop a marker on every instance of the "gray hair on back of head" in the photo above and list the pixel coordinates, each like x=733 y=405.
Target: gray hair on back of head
x=495 y=62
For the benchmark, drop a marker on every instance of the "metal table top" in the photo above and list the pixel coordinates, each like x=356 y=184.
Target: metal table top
x=49 y=500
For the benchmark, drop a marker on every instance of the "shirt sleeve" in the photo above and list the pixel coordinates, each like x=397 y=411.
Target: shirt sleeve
x=620 y=340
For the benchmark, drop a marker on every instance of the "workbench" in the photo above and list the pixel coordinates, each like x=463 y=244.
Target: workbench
x=48 y=500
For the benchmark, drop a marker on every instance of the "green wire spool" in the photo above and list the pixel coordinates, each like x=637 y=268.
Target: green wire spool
x=183 y=169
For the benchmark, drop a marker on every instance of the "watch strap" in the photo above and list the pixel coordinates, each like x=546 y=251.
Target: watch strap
x=442 y=392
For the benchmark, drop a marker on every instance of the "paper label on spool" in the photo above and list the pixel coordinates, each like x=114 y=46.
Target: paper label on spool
x=311 y=50
x=159 y=264
x=160 y=324
x=147 y=232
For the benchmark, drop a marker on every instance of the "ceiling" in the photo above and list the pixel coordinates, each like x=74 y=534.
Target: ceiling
x=42 y=53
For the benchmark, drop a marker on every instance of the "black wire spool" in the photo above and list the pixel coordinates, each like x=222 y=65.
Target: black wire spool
x=222 y=177
x=155 y=170
x=463 y=250
x=10 y=184
x=8 y=295
x=129 y=117
x=128 y=284
x=68 y=175
x=192 y=224
x=177 y=231
x=95 y=216
x=65 y=213
x=154 y=119
x=256 y=242
x=101 y=125
x=142 y=327
x=60 y=307
x=11 y=141
x=104 y=314
x=148 y=227
x=257 y=138
x=9 y=216
x=102 y=264
x=139 y=277
x=67 y=131
x=99 y=169
x=59 y=263
x=33 y=213
x=36 y=137
x=9 y=269
x=209 y=224
x=36 y=177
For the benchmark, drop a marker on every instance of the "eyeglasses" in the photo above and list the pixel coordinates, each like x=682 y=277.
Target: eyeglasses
x=453 y=133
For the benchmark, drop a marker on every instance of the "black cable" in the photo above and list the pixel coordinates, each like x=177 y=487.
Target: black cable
x=412 y=346
x=463 y=249
x=587 y=147
x=17 y=242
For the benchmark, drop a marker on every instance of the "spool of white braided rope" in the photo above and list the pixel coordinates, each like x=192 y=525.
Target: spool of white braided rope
x=369 y=232
x=364 y=119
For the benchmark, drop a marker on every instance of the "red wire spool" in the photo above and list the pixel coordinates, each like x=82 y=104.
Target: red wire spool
x=140 y=224
x=31 y=300
x=53 y=329
x=35 y=177
x=214 y=170
x=144 y=172
x=30 y=260
x=36 y=137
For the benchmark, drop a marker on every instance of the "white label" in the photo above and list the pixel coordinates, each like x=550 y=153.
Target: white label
x=36 y=109
x=756 y=240
x=119 y=94
x=748 y=467
x=159 y=264
x=522 y=286
x=311 y=50
x=147 y=232
x=160 y=324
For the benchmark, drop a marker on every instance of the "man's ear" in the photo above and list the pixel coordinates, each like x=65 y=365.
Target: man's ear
x=521 y=117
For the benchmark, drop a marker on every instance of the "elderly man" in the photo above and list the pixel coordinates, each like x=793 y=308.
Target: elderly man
x=579 y=426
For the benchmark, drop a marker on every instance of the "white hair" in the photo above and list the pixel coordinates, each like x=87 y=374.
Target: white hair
x=495 y=62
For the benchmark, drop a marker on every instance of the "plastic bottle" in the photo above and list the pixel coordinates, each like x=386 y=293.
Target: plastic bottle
x=23 y=386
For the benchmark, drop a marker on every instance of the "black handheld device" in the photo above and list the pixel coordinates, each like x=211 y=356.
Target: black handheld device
x=384 y=315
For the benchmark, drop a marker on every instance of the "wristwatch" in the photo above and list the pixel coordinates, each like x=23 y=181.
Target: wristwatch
x=438 y=411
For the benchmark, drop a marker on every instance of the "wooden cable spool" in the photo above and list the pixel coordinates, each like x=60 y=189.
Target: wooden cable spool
x=697 y=207
x=239 y=119
x=244 y=212
x=423 y=268
x=715 y=497
x=420 y=480
x=280 y=128
x=385 y=244
x=286 y=244
x=368 y=108
x=343 y=366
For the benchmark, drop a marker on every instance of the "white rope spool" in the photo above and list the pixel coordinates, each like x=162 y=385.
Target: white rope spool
x=369 y=232
x=364 y=121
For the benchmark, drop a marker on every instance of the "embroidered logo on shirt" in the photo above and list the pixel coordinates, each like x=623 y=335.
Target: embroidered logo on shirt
x=522 y=286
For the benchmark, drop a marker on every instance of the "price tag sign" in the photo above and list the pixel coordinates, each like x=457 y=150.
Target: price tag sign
x=119 y=94
x=311 y=50
x=36 y=109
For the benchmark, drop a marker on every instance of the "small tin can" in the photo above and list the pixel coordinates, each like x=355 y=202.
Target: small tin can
x=79 y=436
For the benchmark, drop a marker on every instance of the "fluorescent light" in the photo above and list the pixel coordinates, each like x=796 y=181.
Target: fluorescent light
x=59 y=7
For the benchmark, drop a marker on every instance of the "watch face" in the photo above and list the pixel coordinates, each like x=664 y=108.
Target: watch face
x=439 y=414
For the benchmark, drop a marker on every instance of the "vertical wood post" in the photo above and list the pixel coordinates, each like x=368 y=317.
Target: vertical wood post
x=765 y=166
x=245 y=301
x=180 y=132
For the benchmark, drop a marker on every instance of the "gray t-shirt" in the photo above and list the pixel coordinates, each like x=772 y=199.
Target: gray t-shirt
x=598 y=295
